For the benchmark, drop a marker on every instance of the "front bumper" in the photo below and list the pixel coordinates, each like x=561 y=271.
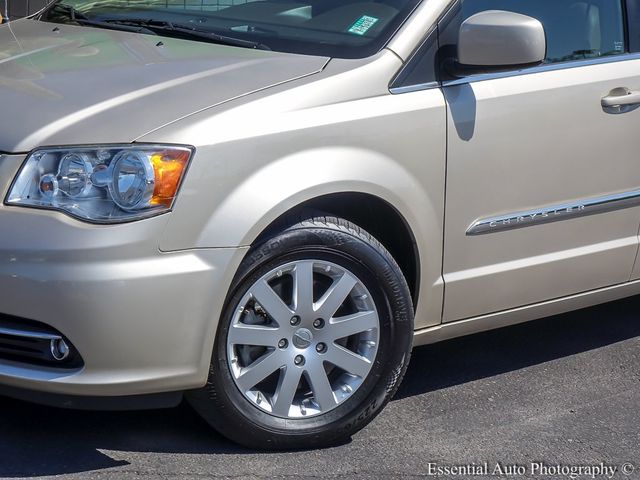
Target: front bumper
x=142 y=320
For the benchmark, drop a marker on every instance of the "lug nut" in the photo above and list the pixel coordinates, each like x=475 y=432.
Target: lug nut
x=299 y=360
x=283 y=343
x=321 y=348
x=318 y=323
x=295 y=320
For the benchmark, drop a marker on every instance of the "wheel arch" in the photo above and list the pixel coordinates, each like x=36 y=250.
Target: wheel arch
x=373 y=214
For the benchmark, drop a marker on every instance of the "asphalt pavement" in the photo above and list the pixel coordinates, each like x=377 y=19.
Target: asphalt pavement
x=563 y=392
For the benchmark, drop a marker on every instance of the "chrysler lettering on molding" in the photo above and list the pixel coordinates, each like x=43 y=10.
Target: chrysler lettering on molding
x=555 y=213
x=532 y=217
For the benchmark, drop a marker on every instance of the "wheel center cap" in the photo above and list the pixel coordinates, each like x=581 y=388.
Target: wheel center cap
x=302 y=338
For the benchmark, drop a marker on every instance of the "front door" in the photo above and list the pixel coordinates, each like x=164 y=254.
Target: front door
x=530 y=153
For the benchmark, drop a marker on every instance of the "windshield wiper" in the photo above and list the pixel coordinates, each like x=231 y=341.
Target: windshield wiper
x=152 y=27
x=184 y=31
x=81 y=19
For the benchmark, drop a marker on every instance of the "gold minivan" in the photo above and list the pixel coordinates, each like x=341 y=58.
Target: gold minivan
x=261 y=206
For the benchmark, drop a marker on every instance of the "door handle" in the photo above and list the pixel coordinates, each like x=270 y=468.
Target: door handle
x=621 y=97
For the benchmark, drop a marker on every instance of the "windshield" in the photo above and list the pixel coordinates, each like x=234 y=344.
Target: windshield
x=333 y=28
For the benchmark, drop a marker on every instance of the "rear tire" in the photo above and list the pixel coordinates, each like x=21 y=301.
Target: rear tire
x=312 y=387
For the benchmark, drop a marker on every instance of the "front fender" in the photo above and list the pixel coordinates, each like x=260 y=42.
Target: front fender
x=255 y=161
x=252 y=202
x=271 y=191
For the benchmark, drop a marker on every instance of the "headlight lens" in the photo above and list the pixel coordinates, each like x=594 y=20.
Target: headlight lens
x=132 y=180
x=102 y=184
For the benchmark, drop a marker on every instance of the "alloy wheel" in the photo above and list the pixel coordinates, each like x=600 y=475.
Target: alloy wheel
x=303 y=339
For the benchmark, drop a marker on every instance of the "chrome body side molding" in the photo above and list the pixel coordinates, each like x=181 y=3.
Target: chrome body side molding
x=555 y=213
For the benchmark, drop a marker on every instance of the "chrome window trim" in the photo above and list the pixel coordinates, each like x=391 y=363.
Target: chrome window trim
x=555 y=213
x=550 y=67
x=414 y=88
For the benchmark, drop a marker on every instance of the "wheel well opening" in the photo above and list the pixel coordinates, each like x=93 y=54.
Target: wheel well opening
x=373 y=214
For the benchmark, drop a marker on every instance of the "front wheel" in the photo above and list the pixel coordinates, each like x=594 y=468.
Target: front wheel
x=314 y=340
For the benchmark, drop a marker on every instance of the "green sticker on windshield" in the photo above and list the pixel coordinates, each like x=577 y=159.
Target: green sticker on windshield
x=363 y=24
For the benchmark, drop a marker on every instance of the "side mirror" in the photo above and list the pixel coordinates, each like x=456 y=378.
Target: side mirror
x=496 y=40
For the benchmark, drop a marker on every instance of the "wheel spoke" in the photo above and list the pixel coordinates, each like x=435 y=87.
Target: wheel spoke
x=259 y=370
x=271 y=302
x=258 y=335
x=303 y=288
x=348 y=361
x=335 y=296
x=286 y=390
x=321 y=387
x=352 y=324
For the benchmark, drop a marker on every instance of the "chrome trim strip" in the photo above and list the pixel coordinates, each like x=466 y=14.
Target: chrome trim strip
x=414 y=88
x=555 y=213
x=552 y=67
x=543 y=68
x=25 y=334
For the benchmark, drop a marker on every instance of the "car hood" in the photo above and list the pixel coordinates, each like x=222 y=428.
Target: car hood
x=62 y=84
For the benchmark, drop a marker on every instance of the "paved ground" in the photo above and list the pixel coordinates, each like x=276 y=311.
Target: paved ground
x=563 y=390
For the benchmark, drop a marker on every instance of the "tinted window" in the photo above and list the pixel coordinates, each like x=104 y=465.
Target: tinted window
x=421 y=68
x=633 y=25
x=575 y=29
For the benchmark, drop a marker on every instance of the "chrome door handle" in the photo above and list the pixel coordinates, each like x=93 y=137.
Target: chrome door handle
x=621 y=97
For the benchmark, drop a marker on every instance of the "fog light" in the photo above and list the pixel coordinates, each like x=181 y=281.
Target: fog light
x=59 y=349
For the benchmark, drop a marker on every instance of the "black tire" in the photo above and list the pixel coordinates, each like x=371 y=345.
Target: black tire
x=225 y=408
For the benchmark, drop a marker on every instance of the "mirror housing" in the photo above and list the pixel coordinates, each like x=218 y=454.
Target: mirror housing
x=496 y=40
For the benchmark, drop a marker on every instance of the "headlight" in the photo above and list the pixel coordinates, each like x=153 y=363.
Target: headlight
x=102 y=184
